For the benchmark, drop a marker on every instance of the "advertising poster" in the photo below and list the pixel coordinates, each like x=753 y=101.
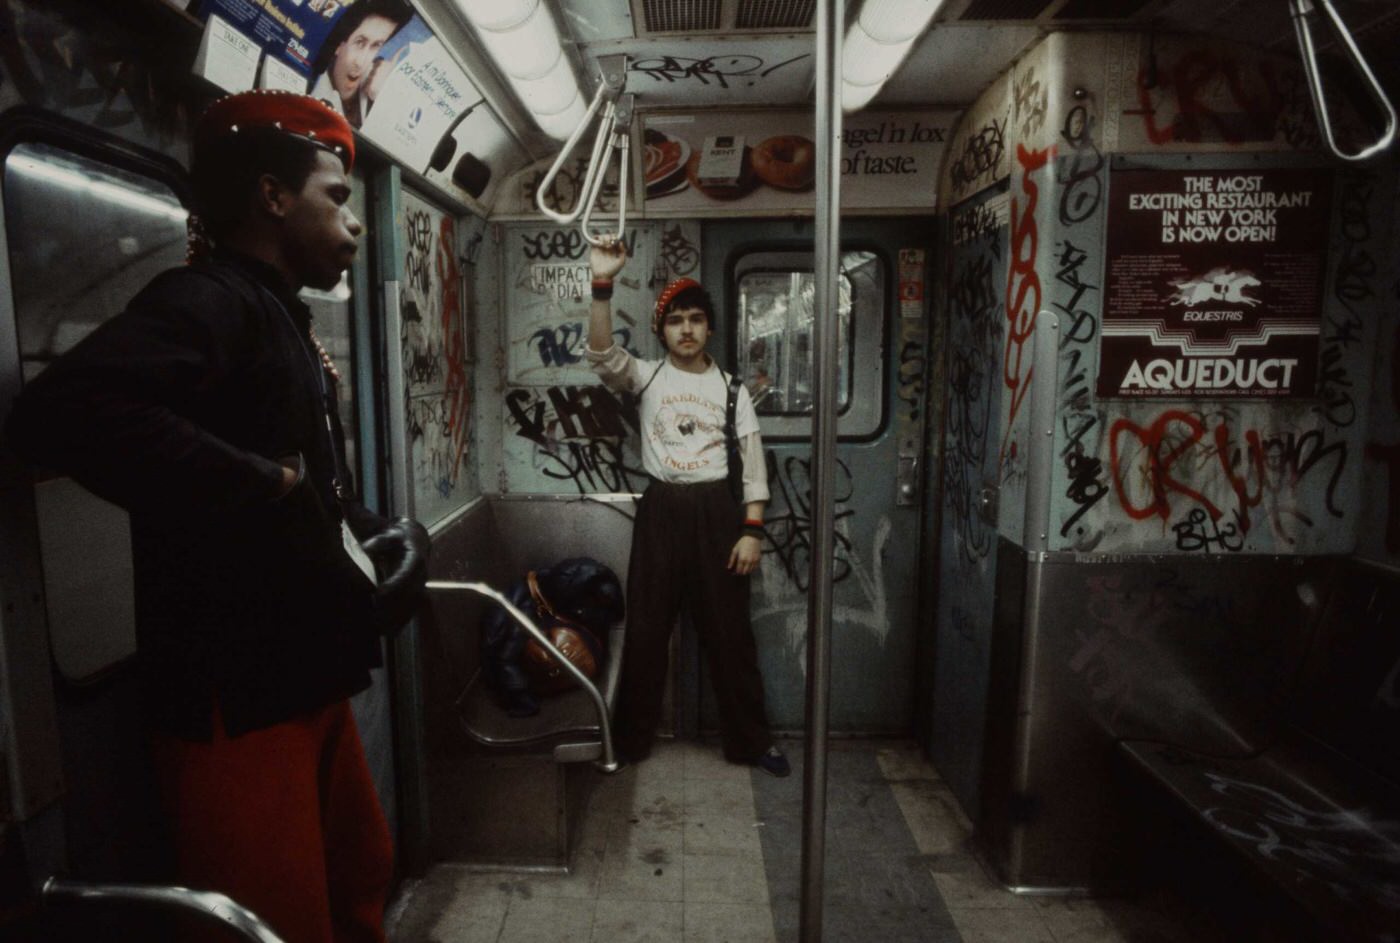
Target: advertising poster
x=1214 y=282
x=421 y=100
x=291 y=31
x=340 y=51
x=766 y=162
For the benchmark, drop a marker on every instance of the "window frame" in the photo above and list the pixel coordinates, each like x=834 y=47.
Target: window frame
x=865 y=416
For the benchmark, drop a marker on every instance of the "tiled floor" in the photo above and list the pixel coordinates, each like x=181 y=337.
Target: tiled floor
x=686 y=847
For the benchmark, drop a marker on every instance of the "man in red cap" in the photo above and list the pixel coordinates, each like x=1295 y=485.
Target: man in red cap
x=699 y=528
x=207 y=410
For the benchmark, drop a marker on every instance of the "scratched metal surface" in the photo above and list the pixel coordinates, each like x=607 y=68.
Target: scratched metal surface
x=875 y=594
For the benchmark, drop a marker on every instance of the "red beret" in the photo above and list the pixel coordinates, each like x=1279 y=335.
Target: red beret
x=667 y=295
x=286 y=111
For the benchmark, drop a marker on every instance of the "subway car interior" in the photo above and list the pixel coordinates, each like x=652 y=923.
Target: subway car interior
x=1050 y=663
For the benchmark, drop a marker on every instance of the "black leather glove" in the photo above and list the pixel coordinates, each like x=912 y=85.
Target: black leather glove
x=400 y=553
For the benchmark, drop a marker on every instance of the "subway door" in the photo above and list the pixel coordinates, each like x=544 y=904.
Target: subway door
x=760 y=274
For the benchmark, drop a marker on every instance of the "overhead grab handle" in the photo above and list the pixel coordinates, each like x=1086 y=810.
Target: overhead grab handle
x=621 y=142
x=614 y=132
x=608 y=763
x=1303 y=10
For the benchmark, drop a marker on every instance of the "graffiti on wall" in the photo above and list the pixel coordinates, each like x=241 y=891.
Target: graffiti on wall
x=1199 y=475
x=1383 y=449
x=1074 y=296
x=724 y=70
x=576 y=438
x=974 y=338
x=433 y=342
x=547 y=296
x=785 y=569
x=1024 y=295
x=61 y=57
x=565 y=432
x=1187 y=94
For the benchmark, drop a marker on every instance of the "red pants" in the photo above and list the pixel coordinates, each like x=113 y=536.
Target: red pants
x=286 y=822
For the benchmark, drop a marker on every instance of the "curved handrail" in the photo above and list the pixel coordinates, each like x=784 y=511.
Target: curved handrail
x=209 y=905
x=609 y=762
x=1301 y=10
x=615 y=130
x=567 y=149
x=622 y=142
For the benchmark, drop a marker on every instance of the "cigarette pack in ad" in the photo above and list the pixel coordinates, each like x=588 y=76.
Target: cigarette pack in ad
x=721 y=161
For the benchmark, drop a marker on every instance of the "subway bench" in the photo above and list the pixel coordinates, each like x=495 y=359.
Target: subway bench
x=1313 y=809
x=511 y=791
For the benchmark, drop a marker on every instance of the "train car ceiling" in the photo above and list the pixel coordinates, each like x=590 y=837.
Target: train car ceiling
x=729 y=57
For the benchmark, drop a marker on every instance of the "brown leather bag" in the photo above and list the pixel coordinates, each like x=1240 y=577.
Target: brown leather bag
x=572 y=639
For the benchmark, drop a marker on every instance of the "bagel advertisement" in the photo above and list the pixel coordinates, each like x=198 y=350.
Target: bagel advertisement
x=766 y=162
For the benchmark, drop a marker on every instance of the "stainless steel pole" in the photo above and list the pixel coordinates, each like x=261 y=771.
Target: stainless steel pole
x=830 y=23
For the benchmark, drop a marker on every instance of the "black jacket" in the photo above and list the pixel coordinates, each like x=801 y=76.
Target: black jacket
x=177 y=410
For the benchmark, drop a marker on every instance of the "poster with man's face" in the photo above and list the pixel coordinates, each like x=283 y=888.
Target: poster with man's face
x=342 y=48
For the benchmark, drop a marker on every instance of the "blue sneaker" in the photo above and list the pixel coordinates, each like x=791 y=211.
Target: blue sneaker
x=772 y=762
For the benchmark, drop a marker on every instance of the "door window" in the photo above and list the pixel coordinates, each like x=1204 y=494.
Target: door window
x=775 y=300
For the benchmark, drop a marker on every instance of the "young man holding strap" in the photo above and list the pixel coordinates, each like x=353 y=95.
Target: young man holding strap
x=693 y=541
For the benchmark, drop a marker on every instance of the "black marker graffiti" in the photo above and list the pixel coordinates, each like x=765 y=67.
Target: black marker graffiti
x=677 y=252
x=417 y=263
x=712 y=70
x=972 y=387
x=1031 y=101
x=1080 y=175
x=1198 y=531
x=788 y=528
x=1353 y=285
x=549 y=244
x=982 y=153
x=911 y=377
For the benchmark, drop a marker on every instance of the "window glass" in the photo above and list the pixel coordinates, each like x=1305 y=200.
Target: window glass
x=775 y=336
x=84 y=237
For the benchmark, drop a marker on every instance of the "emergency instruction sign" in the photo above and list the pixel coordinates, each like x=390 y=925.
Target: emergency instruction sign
x=1214 y=282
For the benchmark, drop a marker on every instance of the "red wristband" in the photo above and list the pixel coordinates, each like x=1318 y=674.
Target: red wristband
x=750 y=522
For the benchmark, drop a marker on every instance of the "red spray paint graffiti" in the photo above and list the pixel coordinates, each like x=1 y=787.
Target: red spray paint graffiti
x=454 y=339
x=1172 y=440
x=1216 y=98
x=1022 y=292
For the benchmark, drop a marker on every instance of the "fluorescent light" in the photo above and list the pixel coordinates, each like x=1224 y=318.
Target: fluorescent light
x=867 y=61
x=552 y=92
x=526 y=50
x=561 y=124
x=877 y=43
x=521 y=37
x=894 y=21
x=856 y=97
x=498 y=14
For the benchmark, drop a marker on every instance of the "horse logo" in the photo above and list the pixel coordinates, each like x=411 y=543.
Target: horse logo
x=1218 y=286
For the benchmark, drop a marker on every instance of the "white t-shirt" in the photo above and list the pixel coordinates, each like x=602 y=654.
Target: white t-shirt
x=682 y=420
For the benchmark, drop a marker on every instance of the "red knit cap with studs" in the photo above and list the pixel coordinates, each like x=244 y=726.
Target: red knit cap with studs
x=308 y=117
x=664 y=299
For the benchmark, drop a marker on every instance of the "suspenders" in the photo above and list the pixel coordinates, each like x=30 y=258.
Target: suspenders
x=734 y=461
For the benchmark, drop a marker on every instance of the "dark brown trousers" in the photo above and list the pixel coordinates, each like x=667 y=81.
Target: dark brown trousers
x=680 y=548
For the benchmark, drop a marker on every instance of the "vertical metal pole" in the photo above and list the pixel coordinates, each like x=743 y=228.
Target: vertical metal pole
x=409 y=750
x=830 y=23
